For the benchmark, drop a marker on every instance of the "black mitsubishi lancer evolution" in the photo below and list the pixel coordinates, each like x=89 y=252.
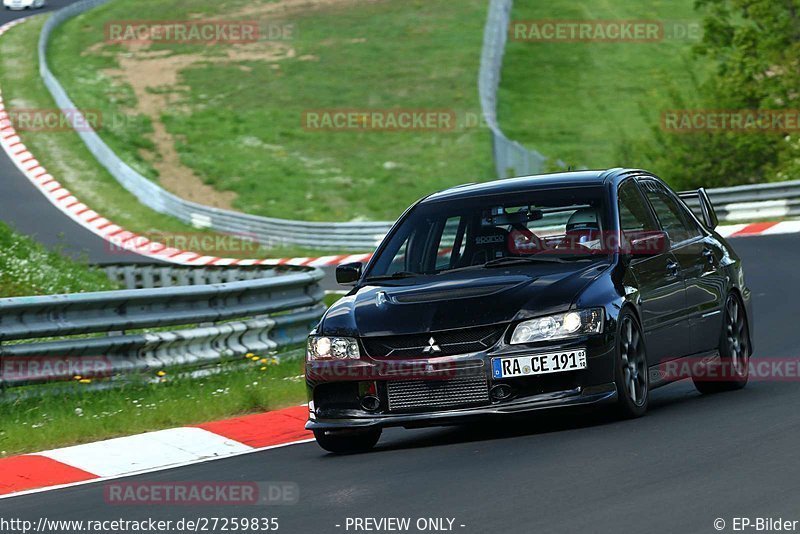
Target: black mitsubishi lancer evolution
x=525 y=294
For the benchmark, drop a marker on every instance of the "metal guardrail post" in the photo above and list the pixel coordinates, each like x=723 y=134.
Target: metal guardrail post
x=510 y=157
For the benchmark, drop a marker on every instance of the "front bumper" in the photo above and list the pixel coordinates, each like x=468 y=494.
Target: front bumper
x=559 y=399
x=334 y=397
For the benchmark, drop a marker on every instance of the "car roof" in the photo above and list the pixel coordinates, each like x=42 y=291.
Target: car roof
x=527 y=183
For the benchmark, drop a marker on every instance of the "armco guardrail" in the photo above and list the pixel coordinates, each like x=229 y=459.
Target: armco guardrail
x=343 y=236
x=510 y=157
x=271 y=310
x=138 y=276
x=759 y=201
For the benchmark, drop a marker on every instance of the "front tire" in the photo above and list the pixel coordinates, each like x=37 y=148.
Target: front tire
x=630 y=371
x=733 y=370
x=347 y=441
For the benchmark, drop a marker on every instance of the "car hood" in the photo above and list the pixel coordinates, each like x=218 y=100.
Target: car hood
x=458 y=300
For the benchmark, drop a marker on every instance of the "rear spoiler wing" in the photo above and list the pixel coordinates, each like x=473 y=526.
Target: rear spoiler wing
x=701 y=205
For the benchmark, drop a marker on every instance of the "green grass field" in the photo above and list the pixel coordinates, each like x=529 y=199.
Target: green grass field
x=236 y=116
x=234 y=113
x=70 y=162
x=590 y=103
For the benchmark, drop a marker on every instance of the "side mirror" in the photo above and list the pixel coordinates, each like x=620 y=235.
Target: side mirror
x=348 y=273
x=709 y=213
x=701 y=206
x=647 y=243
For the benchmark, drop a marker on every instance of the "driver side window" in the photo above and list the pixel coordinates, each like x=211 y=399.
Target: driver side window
x=673 y=220
x=634 y=215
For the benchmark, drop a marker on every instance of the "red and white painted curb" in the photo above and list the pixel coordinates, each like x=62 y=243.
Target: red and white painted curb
x=759 y=228
x=152 y=451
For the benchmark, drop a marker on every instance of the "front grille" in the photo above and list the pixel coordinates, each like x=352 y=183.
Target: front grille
x=450 y=342
x=412 y=395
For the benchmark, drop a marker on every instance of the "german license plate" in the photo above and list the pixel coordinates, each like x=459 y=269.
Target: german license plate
x=538 y=364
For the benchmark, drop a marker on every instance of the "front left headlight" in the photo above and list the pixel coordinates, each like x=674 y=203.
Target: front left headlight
x=332 y=348
x=559 y=326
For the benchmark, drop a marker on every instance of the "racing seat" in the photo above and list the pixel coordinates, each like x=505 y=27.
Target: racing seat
x=486 y=245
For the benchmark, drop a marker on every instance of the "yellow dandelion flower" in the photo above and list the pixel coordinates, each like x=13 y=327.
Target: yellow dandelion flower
x=77 y=377
x=263 y=368
x=161 y=373
x=249 y=355
x=262 y=360
x=255 y=358
x=85 y=381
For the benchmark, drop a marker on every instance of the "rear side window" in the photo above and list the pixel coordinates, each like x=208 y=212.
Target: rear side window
x=634 y=215
x=674 y=220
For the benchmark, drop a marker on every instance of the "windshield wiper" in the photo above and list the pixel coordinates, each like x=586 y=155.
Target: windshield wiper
x=513 y=260
x=394 y=276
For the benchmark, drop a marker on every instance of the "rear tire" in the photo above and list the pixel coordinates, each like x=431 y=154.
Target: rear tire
x=733 y=371
x=347 y=441
x=630 y=369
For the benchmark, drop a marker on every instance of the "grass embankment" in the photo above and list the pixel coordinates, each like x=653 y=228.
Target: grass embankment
x=234 y=113
x=27 y=268
x=70 y=162
x=584 y=102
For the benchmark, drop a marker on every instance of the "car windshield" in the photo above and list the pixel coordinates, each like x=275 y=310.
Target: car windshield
x=549 y=225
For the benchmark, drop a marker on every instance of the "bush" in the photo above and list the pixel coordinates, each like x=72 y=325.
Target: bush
x=755 y=44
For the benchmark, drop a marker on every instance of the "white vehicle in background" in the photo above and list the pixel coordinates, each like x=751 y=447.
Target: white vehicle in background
x=24 y=4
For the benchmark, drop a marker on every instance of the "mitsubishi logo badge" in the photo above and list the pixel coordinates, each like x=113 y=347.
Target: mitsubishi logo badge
x=432 y=347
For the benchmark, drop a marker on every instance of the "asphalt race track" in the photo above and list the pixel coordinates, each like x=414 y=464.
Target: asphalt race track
x=24 y=208
x=691 y=460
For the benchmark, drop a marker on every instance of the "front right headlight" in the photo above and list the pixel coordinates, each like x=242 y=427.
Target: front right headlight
x=332 y=348
x=559 y=326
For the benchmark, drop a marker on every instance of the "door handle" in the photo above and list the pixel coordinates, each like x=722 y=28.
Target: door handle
x=673 y=268
x=709 y=255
